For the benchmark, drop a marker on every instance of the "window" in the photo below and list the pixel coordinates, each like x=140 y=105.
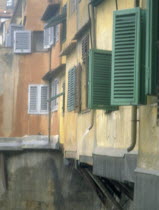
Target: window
x=22 y=42
x=128 y=58
x=9 y=4
x=49 y=37
x=71 y=90
x=37 y=99
x=54 y=92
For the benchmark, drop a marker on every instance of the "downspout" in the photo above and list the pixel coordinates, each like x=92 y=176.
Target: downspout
x=93 y=45
x=49 y=101
x=133 y=129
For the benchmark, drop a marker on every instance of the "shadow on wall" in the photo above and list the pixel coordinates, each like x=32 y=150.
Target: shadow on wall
x=42 y=181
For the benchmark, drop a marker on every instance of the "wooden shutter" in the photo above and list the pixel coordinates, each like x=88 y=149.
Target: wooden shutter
x=99 y=81
x=33 y=99
x=43 y=99
x=85 y=49
x=12 y=29
x=126 y=57
x=46 y=38
x=71 y=90
x=151 y=46
x=78 y=75
x=22 y=42
x=54 y=93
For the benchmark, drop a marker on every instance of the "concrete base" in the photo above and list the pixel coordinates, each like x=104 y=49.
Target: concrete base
x=146 y=189
x=115 y=164
x=29 y=142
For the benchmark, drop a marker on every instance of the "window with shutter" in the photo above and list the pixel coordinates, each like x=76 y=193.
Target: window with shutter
x=57 y=30
x=71 y=90
x=152 y=34
x=54 y=91
x=22 y=42
x=12 y=29
x=43 y=99
x=78 y=88
x=37 y=99
x=85 y=49
x=52 y=36
x=46 y=38
x=127 y=59
x=33 y=99
x=99 y=83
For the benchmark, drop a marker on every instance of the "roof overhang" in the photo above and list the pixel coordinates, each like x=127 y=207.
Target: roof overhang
x=51 y=74
x=50 y=11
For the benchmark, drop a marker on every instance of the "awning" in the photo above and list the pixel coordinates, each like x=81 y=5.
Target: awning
x=56 y=19
x=50 y=11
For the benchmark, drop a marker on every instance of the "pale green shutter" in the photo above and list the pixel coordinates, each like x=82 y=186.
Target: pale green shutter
x=99 y=81
x=127 y=58
x=71 y=90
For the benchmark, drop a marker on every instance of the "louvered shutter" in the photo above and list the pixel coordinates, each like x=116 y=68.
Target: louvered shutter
x=43 y=99
x=85 y=48
x=46 y=38
x=71 y=90
x=54 y=93
x=78 y=75
x=126 y=57
x=12 y=29
x=51 y=36
x=22 y=42
x=99 y=81
x=57 y=31
x=33 y=99
x=8 y=40
x=151 y=46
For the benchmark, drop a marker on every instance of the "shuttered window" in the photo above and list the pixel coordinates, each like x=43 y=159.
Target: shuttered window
x=152 y=34
x=99 y=83
x=71 y=89
x=37 y=99
x=49 y=37
x=127 y=67
x=22 y=42
x=54 y=91
x=85 y=49
x=78 y=75
x=12 y=29
x=57 y=33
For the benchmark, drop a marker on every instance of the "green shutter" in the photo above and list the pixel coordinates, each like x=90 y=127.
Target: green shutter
x=99 y=81
x=127 y=71
x=71 y=90
x=151 y=46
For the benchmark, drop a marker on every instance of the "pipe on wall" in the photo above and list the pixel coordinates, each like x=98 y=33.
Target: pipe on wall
x=133 y=129
x=49 y=101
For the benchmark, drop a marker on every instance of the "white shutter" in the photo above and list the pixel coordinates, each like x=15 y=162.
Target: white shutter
x=12 y=29
x=22 y=42
x=46 y=38
x=43 y=99
x=54 y=93
x=8 y=40
x=33 y=99
x=52 y=36
x=57 y=33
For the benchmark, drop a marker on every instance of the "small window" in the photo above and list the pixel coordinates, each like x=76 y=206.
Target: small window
x=37 y=99
x=54 y=92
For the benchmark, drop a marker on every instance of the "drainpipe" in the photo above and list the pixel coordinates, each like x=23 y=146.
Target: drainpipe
x=133 y=129
x=93 y=45
x=49 y=101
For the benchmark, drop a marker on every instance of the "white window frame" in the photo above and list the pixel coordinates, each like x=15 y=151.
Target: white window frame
x=38 y=111
x=53 y=93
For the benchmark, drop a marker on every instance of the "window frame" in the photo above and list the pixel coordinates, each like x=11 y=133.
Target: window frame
x=38 y=111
